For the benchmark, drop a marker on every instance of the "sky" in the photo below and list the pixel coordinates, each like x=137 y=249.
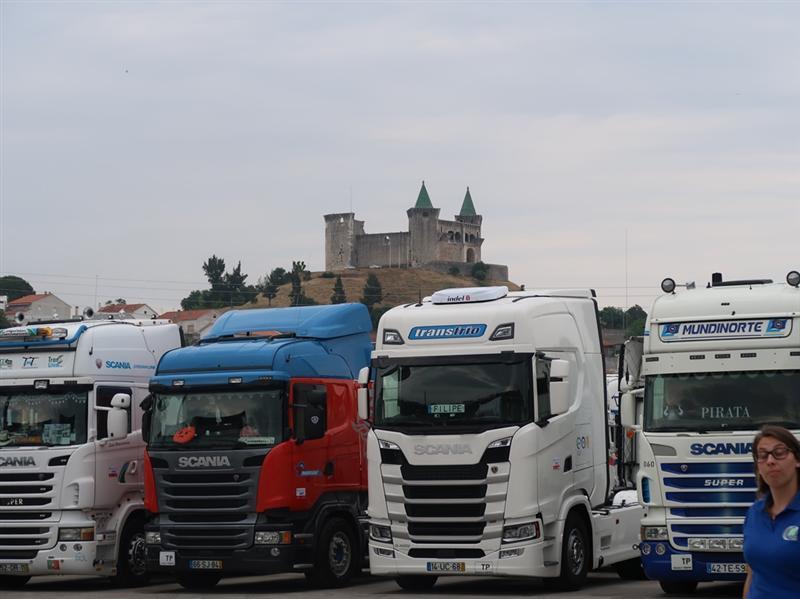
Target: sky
x=606 y=144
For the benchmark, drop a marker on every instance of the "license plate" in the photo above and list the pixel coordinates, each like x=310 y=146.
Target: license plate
x=166 y=558
x=446 y=567
x=13 y=568
x=205 y=564
x=725 y=569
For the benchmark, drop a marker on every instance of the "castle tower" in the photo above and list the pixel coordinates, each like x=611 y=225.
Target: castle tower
x=340 y=240
x=472 y=229
x=423 y=221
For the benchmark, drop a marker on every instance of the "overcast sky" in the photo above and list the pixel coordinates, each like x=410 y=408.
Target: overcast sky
x=139 y=138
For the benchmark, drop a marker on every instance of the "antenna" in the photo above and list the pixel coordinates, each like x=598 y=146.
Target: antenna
x=351 y=198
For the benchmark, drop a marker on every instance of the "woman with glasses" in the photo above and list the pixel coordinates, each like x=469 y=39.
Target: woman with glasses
x=771 y=541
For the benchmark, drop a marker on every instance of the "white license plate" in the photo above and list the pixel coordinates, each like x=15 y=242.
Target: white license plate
x=681 y=562
x=13 y=568
x=166 y=558
x=205 y=564
x=726 y=569
x=446 y=567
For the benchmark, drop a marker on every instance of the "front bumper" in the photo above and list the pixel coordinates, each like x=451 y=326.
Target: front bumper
x=530 y=563
x=257 y=559
x=66 y=558
x=674 y=565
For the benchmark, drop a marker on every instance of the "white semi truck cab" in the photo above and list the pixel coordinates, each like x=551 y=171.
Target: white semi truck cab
x=488 y=452
x=71 y=446
x=718 y=363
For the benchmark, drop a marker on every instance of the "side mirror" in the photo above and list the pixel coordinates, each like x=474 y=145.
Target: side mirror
x=118 y=416
x=559 y=387
x=147 y=417
x=627 y=411
x=363 y=393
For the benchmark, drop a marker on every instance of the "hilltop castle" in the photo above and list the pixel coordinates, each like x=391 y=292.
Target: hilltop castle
x=430 y=241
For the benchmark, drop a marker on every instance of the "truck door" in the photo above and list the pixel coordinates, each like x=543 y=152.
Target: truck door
x=117 y=461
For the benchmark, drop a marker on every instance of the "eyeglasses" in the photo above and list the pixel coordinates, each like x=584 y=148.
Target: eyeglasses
x=779 y=453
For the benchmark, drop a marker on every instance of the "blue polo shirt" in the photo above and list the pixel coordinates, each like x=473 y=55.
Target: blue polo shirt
x=772 y=550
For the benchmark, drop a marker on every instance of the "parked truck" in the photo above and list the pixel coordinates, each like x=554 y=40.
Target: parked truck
x=71 y=487
x=255 y=461
x=489 y=448
x=718 y=363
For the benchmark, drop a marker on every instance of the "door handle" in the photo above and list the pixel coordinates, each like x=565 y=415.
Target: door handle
x=328 y=471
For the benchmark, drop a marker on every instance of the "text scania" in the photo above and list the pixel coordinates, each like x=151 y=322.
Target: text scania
x=17 y=461
x=207 y=461
x=721 y=448
x=443 y=449
x=115 y=364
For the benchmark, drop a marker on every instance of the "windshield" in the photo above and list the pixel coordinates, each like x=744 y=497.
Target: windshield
x=722 y=400
x=43 y=418
x=475 y=395
x=221 y=419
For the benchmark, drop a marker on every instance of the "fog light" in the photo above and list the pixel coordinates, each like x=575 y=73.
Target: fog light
x=660 y=549
x=504 y=553
x=77 y=547
x=645 y=547
x=383 y=552
x=274 y=552
x=152 y=538
x=41 y=384
x=76 y=534
x=63 y=547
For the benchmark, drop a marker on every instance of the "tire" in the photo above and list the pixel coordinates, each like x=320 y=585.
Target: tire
x=13 y=582
x=199 y=581
x=132 y=558
x=576 y=555
x=630 y=569
x=337 y=557
x=416 y=582
x=678 y=587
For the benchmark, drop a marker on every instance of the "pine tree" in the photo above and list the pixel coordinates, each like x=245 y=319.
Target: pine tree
x=338 y=296
x=372 y=293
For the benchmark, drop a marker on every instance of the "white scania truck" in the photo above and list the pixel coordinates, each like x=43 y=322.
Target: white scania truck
x=488 y=452
x=71 y=446
x=718 y=363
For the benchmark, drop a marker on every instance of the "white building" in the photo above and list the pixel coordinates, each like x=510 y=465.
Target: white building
x=193 y=322
x=38 y=306
x=128 y=310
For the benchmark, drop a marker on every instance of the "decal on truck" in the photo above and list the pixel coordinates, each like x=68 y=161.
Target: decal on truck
x=725 y=329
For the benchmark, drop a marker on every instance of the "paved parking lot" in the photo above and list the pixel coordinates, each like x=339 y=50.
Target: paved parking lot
x=600 y=584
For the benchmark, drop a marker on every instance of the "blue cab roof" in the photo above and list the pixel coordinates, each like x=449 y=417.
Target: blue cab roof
x=315 y=342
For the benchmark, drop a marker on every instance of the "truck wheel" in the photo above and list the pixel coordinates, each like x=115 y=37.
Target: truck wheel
x=678 y=587
x=132 y=559
x=13 y=582
x=198 y=581
x=416 y=583
x=576 y=555
x=337 y=557
x=630 y=569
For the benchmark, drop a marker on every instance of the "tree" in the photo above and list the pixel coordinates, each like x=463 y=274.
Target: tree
x=612 y=317
x=4 y=323
x=635 y=321
x=215 y=270
x=372 y=293
x=14 y=287
x=338 y=296
x=479 y=271
x=119 y=301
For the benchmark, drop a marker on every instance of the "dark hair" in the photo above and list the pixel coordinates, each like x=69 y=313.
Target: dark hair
x=781 y=434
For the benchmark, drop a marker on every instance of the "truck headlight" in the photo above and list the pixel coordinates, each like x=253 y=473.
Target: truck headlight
x=76 y=534
x=273 y=537
x=152 y=538
x=521 y=532
x=380 y=533
x=654 y=533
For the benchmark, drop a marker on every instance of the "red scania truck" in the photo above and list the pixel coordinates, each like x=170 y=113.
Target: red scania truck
x=255 y=461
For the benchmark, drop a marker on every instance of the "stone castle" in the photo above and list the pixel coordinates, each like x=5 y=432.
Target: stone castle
x=430 y=242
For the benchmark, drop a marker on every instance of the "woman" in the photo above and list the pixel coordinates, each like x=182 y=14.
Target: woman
x=771 y=543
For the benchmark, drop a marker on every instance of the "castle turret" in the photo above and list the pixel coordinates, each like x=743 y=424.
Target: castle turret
x=341 y=230
x=423 y=220
x=468 y=214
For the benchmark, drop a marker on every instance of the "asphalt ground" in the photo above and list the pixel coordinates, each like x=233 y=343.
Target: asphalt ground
x=291 y=586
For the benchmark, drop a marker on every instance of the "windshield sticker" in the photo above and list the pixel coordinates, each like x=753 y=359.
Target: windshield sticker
x=726 y=412
x=184 y=435
x=30 y=361
x=55 y=361
x=447 y=331
x=726 y=329
x=253 y=440
x=6 y=364
x=446 y=408
x=57 y=434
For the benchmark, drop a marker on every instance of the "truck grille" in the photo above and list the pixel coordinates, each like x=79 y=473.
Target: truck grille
x=454 y=504
x=23 y=531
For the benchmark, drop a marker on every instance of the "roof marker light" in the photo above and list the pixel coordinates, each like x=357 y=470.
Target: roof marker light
x=235 y=380
x=668 y=285
x=177 y=383
x=793 y=278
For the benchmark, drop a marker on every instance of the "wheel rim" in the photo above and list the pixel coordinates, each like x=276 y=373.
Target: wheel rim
x=576 y=551
x=137 y=560
x=339 y=554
